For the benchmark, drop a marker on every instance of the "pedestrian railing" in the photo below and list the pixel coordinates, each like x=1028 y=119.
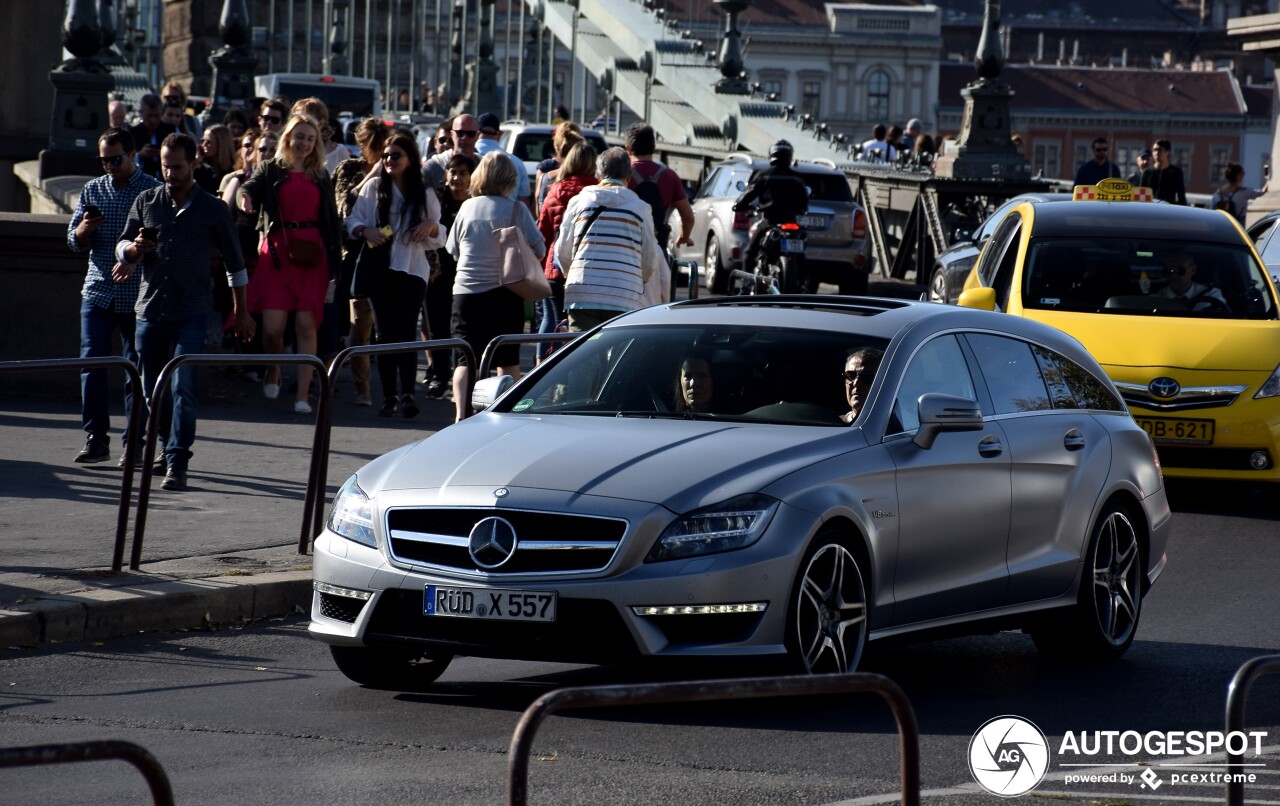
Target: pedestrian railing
x=707 y=690
x=491 y=349
x=135 y=423
x=226 y=360
x=691 y=266
x=313 y=515
x=1237 y=695
x=36 y=755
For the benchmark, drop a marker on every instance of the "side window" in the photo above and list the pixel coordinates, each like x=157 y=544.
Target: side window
x=1055 y=368
x=989 y=260
x=940 y=367
x=1271 y=253
x=1013 y=376
x=1003 y=280
x=1089 y=392
x=714 y=181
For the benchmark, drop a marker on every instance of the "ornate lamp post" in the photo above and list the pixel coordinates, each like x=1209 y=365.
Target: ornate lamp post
x=986 y=150
x=482 y=75
x=338 y=62
x=80 y=85
x=734 y=81
x=233 y=64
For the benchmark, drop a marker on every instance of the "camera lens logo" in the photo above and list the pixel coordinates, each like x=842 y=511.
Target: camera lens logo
x=1008 y=756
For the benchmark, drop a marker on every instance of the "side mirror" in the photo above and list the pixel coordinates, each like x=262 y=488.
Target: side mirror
x=983 y=298
x=488 y=390
x=943 y=414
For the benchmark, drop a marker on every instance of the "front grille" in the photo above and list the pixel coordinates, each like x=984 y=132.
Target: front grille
x=547 y=542
x=585 y=631
x=340 y=608
x=1208 y=458
x=1205 y=397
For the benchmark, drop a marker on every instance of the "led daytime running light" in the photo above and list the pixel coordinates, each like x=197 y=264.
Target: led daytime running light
x=699 y=610
x=350 y=593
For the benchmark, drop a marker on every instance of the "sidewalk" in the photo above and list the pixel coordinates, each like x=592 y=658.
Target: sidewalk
x=222 y=551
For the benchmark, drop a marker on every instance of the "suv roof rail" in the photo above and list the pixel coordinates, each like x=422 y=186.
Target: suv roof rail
x=741 y=156
x=823 y=161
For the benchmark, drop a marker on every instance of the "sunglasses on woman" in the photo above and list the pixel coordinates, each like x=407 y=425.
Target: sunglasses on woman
x=393 y=156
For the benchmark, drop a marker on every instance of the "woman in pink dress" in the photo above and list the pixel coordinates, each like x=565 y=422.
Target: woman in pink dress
x=293 y=199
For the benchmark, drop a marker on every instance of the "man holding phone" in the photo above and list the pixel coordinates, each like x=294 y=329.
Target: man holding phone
x=106 y=306
x=172 y=231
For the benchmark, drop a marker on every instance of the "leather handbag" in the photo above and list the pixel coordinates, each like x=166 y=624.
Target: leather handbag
x=303 y=253
x=521 y=269
x=372 y=265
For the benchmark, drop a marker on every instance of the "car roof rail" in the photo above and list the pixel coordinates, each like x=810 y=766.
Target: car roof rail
x=824 y=162
x=740 y=156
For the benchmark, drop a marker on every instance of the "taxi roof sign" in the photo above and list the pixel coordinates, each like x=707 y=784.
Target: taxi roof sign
x=1111 y=190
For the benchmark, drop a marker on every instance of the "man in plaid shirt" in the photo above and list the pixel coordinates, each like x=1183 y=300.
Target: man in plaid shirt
x=106 y=306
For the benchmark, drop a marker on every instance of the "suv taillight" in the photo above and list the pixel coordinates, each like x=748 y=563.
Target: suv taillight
x=859 y=224
x=742 y=220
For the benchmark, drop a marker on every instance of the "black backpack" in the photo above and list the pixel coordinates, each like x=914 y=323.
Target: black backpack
x=648 y=190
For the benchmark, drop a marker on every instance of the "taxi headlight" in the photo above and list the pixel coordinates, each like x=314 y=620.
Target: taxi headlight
x=734 y=524
x=1272 y=386
x=352 y=515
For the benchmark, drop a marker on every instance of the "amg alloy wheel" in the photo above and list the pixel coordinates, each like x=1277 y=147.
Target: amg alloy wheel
x=828 y=629
x=1105 y=618
x=397 y=670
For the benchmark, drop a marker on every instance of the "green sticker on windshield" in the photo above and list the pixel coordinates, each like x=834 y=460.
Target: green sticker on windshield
x=523 y=404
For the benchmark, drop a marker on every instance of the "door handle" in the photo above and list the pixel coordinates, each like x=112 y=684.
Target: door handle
x=990 y=446
x=1074 y=440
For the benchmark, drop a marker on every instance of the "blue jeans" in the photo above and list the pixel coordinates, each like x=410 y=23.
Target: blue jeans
x=96 y=328
x=158 y=342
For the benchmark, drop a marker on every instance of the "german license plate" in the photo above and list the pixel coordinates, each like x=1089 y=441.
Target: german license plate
x=1163 y=429
x=814 y=222
x=489 y=603
x=793 y=246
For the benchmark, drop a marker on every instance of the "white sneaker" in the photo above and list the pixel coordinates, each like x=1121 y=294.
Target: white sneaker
x=271 y=390
x=301 y=407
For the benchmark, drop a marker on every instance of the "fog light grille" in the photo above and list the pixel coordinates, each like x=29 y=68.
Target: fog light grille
x=341 y=608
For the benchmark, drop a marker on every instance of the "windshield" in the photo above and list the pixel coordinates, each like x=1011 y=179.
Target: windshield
x=772 y=375
x=358 y=101
x=1146 y=276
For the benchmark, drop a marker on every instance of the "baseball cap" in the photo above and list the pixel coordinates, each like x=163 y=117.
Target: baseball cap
x=1146 y=152
x=489 y=123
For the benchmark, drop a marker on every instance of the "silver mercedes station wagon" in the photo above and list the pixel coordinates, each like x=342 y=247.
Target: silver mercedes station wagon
x=782 y=478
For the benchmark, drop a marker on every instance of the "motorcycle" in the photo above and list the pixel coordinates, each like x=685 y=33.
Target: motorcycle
x=779 y=263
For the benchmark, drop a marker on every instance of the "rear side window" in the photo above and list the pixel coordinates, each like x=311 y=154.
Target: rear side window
x=1012 y=373
x=1054 y=368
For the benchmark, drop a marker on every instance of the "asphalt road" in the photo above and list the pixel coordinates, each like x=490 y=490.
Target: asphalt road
x=260 y=715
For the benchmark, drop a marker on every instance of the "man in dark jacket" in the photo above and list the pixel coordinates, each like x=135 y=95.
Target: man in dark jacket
x=1093 y=171
x=1165 y=180
x=782 y=196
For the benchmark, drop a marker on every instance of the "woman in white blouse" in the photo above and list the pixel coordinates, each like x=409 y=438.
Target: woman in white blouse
x=397 y=197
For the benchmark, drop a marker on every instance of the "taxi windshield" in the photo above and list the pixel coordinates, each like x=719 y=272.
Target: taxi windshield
x=724 y=373
x=1146 y=276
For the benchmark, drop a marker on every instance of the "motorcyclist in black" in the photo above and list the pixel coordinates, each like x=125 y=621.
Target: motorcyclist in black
x=780 y=194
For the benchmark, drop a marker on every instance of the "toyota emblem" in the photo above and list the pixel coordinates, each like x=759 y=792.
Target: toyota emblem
x=492 y=542
x=1164 y=387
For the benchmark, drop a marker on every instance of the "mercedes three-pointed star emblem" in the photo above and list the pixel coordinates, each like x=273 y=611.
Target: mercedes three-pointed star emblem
x=492 y=542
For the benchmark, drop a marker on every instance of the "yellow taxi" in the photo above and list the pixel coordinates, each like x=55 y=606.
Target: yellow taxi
x=1172 y=301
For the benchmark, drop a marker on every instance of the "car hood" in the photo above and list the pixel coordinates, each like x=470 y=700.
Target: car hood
x=680 y=464
x=1152 y=341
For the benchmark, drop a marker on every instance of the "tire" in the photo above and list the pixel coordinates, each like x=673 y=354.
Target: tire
x=397 y=670
x=938 y=290
x=1105 y=617
x=811 y=282
x=717 y=274
x=788 y=275
x=827 y=622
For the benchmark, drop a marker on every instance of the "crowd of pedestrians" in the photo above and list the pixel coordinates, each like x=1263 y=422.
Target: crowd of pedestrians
x=251 y=228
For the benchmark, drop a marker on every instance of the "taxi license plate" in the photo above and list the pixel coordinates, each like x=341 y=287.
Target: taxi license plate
x=814 y=222
x=1163 y=429
x=489 y=603
x=793 y=246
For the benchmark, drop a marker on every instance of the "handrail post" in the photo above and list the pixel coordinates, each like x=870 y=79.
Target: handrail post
x=1237 y=695
x=139 y=757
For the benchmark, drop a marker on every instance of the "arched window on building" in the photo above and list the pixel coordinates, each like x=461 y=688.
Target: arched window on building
x=878 y=96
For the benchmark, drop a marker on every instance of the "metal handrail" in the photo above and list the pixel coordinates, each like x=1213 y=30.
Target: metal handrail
x=313 y=515
x=135 y=422
x=139 y=757
x=517 y=338
x=702 y=690
x=214 y=360
x=1237 y=695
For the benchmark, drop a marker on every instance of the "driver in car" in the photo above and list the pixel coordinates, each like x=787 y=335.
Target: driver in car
x=859 y=371
x=1180 y=269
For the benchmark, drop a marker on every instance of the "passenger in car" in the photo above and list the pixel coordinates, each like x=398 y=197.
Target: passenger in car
x=695 y=386
x=1180 y=269
x=860 y=370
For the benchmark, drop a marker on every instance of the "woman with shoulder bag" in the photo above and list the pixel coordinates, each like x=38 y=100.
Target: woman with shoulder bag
x=397 y=198
x=299 y=254
x=483 y=307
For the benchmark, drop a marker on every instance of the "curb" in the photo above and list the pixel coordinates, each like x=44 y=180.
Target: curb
x=162 y=606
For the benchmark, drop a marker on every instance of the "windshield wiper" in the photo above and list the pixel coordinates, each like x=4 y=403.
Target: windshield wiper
x=659 y=415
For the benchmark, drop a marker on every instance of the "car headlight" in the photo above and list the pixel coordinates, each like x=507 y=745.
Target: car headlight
x=352 y=515
x=734 y=524
x=1272 y=387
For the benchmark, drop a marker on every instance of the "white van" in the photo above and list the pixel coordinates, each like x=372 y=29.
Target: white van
x=344 y=95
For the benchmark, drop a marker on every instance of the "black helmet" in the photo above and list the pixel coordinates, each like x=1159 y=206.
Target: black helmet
x=780 y=154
